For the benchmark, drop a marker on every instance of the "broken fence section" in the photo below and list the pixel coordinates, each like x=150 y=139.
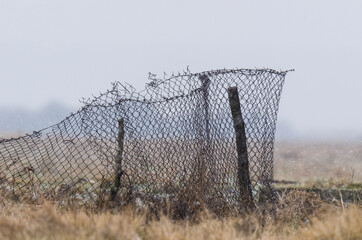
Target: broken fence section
x=172 y=144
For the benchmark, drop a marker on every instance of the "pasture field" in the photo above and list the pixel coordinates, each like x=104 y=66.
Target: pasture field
x=318 y=164
x=299 y=213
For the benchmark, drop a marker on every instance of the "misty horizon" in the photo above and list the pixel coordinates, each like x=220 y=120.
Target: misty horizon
x=20 y=121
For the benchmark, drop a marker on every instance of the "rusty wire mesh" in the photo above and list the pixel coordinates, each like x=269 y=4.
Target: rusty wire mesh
x=178 y=150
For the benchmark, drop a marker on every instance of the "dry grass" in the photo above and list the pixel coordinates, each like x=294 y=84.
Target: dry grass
x=339 y=226
x=299 y=215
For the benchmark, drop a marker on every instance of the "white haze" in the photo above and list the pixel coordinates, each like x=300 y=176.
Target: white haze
x=60 y=51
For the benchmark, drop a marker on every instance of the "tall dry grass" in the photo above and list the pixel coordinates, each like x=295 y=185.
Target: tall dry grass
x=299 y=215
x=341 y=225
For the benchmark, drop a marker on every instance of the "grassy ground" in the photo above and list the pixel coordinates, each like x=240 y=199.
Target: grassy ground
x=299 y=215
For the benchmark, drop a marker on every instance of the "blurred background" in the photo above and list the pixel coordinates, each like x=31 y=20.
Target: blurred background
x=53 y=53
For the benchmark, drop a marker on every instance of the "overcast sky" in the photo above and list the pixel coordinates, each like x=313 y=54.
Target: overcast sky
x=65 y=50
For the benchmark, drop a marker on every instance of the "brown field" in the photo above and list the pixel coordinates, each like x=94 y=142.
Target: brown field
x=318 y=162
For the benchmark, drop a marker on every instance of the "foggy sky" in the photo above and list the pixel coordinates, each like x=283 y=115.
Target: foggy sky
x=65 y=50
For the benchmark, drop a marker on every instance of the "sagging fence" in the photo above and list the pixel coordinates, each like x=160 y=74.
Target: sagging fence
x=188 y=141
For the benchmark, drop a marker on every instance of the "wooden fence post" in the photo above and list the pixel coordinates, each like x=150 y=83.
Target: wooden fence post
x=205 y=95
x=246 y=196
x=204 y=155
x=119 y=172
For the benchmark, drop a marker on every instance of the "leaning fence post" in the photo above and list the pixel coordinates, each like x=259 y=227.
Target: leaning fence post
x=242 y=151
x=119 y=172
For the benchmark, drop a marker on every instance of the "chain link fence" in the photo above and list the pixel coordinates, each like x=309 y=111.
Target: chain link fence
x=171 y=146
